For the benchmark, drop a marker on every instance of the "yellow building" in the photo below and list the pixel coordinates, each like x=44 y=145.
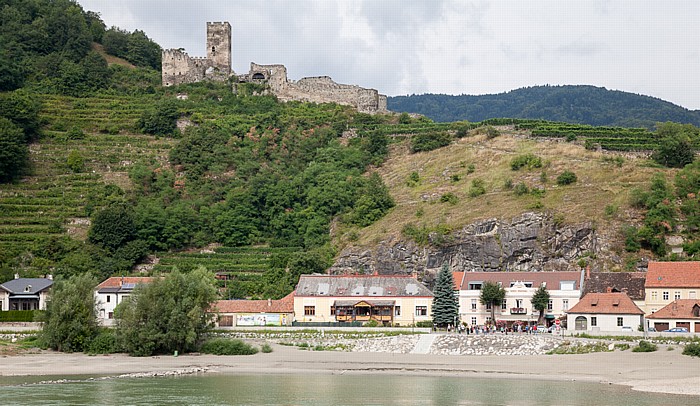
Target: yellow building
x=386 y=299
x=669 y=281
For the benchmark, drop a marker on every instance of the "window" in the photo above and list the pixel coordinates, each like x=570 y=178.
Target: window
x=691 y=295
x=397 y=311
x=550 y=305
x=594 y=321
x=654 y=295
x=619 y=321
x=225 y=321
x=309 y=310
x=665 y=296
x=421 y=310
x=504 y=304
x=567 y=285
x=565 y=304
x=488 y=306
x=475 y=286
x=473 y=321
x=676 y=295
x=108 y=298
x=473 y=304
x=110 y=315
x=488 y=319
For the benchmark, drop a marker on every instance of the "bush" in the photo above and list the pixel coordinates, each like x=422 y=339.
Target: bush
x=430 y=141
x=478 y=188
x=266 y=348
x=521 y=189
x=449 y=198
x=104 y=343
x=645 y=346
x=75 y=162
x=19 y=315
x=692 y=349
x=529 y=161
x=224 y=346
x=566 y=178
x=413 y=179
x=427 y=323
x=371 y=323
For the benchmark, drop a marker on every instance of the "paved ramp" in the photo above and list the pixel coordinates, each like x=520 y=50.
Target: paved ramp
x=424 y=343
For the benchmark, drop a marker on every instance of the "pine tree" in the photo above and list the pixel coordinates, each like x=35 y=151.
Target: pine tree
x=445 y=306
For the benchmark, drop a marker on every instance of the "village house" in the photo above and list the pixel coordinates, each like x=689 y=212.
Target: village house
x=25 y=293
x=679 y=313
x=385 y=299
x=564 y=289
x=630 y=283
x=670 y=281
x=113 y=291
x=609 y=312
x=231 y=313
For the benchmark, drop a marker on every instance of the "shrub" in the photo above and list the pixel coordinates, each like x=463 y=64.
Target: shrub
x=266 y=348
x=508 y=184
x=427 y=323
x=104 y=343
x=455 y=178
x=75 y=162
x=430 y=141
x=566 y=178
x=529 y=161
x=692 y=349
x=610 y=209
x=371 y=323
x=471 y=168
x=478 y=188
x=449 y=198
x=75 y=133
x=413 y=179
x=521 y=189
x=224 y=346
x=645 y=346
x=570 y=137
x=492 y=132
x=537 y=192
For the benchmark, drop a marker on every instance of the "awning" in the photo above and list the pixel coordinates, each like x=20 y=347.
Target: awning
x=549 y=316
x=24 y=297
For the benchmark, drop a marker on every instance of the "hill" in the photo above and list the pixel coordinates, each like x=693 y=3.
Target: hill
x=572 y=104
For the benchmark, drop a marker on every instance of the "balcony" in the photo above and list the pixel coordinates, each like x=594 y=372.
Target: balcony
x=518 y=310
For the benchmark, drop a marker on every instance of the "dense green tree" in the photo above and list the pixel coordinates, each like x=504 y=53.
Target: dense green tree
x=162 y=120
x=492 y=294
x=14 y=152
x=70 y=321
x=445 y=305
x=112 y=227
x=540 y=301
x=676 y=148
x=373 y=203
x=22 y=108
x=169 y=314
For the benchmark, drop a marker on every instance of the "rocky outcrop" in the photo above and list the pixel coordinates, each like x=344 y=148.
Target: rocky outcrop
x=530 y=242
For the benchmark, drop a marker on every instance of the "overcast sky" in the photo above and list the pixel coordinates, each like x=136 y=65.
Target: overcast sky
x=650 y=47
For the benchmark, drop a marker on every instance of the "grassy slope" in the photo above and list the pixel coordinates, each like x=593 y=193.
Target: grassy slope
x=599 y=184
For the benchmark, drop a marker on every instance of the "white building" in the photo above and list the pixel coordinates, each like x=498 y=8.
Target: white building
x=113 y=291
x=609 y=312
x=564 y=289
x=25 y=293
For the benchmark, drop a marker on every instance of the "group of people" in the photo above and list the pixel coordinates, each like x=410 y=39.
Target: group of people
x=492 y=329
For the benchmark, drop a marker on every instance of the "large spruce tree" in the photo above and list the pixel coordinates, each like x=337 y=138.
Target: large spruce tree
x=445 y=306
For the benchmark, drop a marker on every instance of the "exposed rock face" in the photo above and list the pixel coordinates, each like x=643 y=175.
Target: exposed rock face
x=530 y=242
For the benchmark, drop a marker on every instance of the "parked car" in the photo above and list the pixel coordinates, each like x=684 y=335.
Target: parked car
x=626 y=328
x=652 y=329
x=676 y=330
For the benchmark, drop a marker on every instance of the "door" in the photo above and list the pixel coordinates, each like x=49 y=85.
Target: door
x=661 y=326
x=581 y=323
x=697 y=327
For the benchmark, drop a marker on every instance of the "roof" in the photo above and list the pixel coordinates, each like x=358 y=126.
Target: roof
x=606 y=303
x=30 y=286
x=678 y=309
x=361 y=286
x=284 y=305
x=552 y=279
x=457 y=277
x=122 y=283
x=631 y=283
x=673 y=275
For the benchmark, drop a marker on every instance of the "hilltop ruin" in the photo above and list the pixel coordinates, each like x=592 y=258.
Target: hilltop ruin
x=178 y=67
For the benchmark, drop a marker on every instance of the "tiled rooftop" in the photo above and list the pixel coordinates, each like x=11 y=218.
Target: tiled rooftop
x=606 y=303
x=673 y=275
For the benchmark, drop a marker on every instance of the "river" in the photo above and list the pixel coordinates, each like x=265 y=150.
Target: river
x=217 y=389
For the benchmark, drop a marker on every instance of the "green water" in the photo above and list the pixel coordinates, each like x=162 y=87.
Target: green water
x=212 y=389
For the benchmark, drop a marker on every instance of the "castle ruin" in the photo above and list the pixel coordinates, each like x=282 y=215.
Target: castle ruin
x=178 y=67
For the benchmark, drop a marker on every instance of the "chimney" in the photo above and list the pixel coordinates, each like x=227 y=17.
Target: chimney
x=49 y=277
x=16 y=276
x=121 y=281
x=269 y=302
x=608 y=290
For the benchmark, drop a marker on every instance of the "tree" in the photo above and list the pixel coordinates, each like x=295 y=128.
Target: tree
x=492 y=294
x=540 y=301
x=676 y=148
x=13 y=150
x=169 y=314
x=70 y=321
x=445 y=306
x=112 y=227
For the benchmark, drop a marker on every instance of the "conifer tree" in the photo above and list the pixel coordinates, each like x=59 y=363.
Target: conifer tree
x=445 y=306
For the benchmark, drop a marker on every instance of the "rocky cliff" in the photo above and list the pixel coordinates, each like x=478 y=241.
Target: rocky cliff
x=530 y=242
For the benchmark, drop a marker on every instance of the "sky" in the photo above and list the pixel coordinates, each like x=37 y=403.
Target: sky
x=649 y=47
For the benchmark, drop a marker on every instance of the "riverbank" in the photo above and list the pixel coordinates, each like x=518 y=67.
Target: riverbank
x=662 y=371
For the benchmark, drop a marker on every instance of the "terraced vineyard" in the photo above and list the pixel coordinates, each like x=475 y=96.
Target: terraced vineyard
x=608 y=138
x=54 y=201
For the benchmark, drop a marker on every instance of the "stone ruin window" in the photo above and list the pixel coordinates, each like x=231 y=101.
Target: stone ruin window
x=258 y=76
x=213 y=50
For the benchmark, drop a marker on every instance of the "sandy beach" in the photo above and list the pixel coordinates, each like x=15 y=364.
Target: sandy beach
x=661 y=371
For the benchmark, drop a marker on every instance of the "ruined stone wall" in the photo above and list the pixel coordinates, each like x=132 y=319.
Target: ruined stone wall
x=178 y=67
x=219 y=46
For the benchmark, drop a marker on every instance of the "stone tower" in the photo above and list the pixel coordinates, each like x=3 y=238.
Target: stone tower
x=219 y=46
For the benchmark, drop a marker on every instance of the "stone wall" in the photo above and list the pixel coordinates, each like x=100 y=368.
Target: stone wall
x=219 y=46
x=178 y=67
x=530 y=242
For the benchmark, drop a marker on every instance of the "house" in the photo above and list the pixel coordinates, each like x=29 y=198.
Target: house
x=386 y=299
x=679 y=313
x=608 y=312
x=564 y=289
x=669 y=281
x=25 y=293
x=113 y=291
x=631 y=283
x=255 y=312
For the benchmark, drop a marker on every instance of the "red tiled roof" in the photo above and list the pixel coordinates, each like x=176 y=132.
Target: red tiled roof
x=606 y=303
x=284 y=305
x=116 y=281
x=551 y=278
x=673 y=275
x=457 y=276
x=678 y=309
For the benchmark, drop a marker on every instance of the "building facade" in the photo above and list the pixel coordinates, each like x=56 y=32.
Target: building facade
x=683 y=313
x=564 y=289
x=113 y=291
x=25 y=293
x=609 y=312
x=385 y=299
x=670 y=281
x=232 y=313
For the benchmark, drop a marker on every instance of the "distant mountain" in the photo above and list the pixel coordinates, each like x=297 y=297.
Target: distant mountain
x=574 y=104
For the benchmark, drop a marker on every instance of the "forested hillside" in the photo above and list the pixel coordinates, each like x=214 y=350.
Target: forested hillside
x=572 y=104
